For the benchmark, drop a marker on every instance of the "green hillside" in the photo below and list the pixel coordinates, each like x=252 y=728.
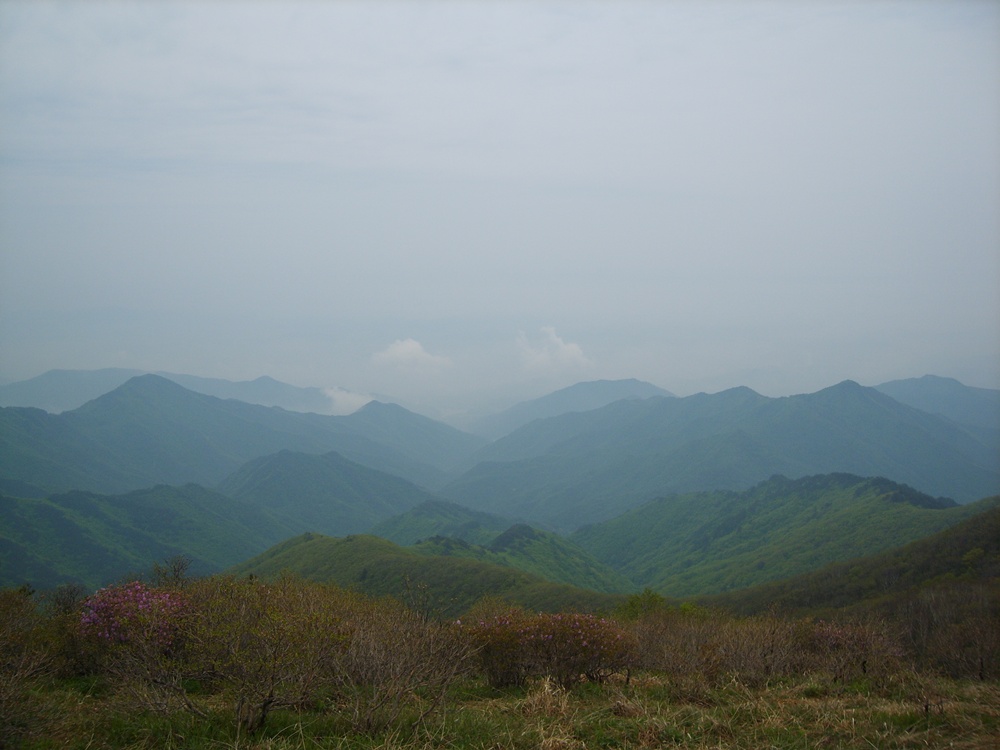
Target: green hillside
x=324 y=494
x=81 y=537
x=586 y=467
x=544 y=554
x=967 y=551
x=708 y=542
x=440 y=518
x=444 y=585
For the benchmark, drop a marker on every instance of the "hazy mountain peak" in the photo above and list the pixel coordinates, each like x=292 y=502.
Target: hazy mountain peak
x=580 y=397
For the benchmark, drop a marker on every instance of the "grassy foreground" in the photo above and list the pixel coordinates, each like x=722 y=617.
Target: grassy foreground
x=290 y=664
x=648 y=711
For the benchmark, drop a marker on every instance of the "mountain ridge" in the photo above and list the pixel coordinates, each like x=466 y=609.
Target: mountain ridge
x=572 y=469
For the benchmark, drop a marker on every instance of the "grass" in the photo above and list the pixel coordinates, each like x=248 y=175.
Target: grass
x=648 y=711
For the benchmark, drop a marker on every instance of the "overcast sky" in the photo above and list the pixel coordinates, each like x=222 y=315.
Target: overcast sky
x=460 y=204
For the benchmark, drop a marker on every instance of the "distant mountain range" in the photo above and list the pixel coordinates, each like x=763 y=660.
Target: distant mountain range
x=152 y=431
x=584 y=467
x=64 y=390
x=972 y=407
x=646 y=489
x=580 y=397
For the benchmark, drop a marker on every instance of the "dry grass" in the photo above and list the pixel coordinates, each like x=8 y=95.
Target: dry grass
x=648 y=712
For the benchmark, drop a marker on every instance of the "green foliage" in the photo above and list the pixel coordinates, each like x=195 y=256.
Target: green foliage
x=94 y=540
x=709 y=542
x=541 y=553
x=438 y=518
x=450 y=585
x=645 y=602
x=966 y=552
x=324 y=494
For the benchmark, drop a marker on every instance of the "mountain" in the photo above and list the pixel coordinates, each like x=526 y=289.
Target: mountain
x=947 y=397
x=64 y=390
x=94 y=540
x=152 y=431
x=325 y=494
x=708 y=542
x=578 y=397
x=969 y=551
x=395 y=427
x=580 y=468
x=538 y=552
x=441 y=585
x=440 y=518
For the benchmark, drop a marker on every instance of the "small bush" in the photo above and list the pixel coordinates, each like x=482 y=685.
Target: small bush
x=135 y=632
x=567 y=647
x=394 y=657
x=496 y=634
x=514 y=645
x=854 y=650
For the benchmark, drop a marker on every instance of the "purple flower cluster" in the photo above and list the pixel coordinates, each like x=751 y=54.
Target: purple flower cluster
x=131 y=613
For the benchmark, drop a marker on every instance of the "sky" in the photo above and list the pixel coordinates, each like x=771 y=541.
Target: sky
x=460 y=204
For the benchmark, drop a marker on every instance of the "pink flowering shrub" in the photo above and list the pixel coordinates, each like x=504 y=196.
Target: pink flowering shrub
x=514 y=645
x=568 y=646
x=499 y=639
x=133 y=613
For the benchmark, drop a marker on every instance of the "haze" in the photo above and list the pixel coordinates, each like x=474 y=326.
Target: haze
x=461 y=204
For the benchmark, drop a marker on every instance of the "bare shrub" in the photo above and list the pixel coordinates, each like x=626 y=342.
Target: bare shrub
x=676 y=641
x=266 y=645
x=852 y=650
x=755 y=650
x=394 y=657
x=24 y=659
x=954 y=629
x=514 y=645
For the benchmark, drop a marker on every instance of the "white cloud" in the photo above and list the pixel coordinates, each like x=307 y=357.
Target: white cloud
x=550 y=354
x=345 y=402
x=410 y=354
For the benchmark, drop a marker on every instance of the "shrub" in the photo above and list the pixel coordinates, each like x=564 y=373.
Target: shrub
x=514 y=645
x=132 y=614
x=136 y=631
x=568 y=646
x=265 y=645
x=391 y=655
x=24 y=659
x=495 y=632
x=852 y=650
